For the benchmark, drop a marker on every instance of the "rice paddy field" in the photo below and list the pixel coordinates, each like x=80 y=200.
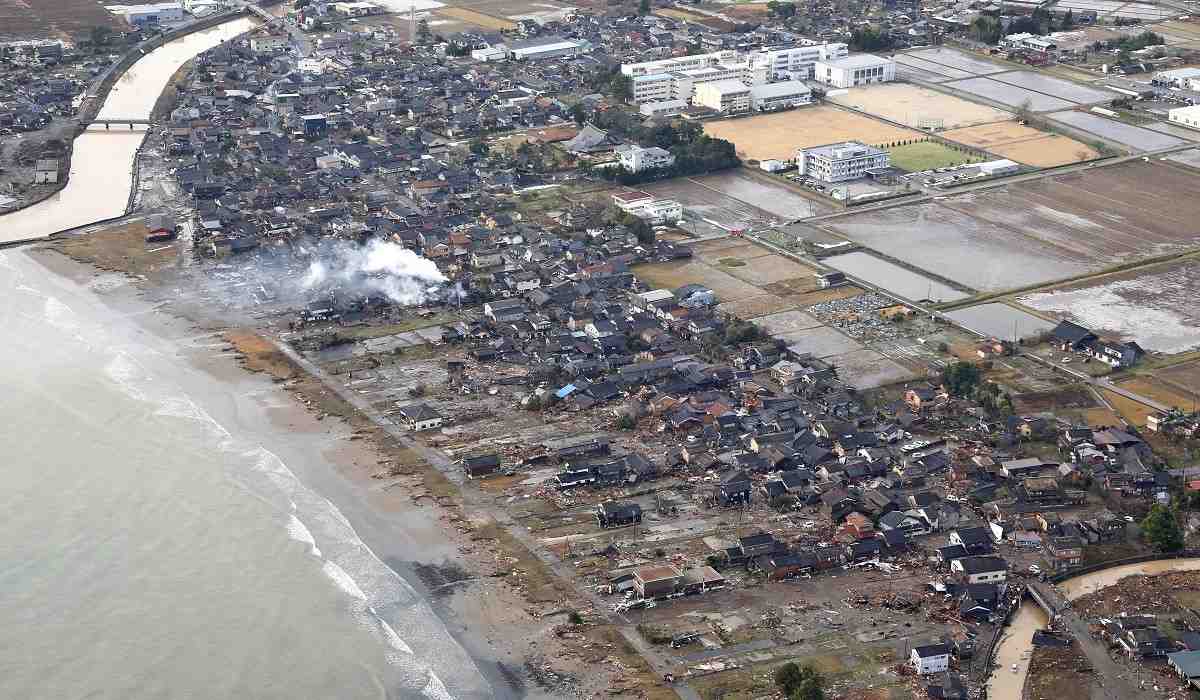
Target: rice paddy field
x=1156 y=307
x=1023 y=144
x=1132 y=137
x=1039 y=231
x=778 y=135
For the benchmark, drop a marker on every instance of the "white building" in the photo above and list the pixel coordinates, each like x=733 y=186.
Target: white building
x=930 y=658
x=1032 y=42
x=547 y=47
x=1180 y=77
x=652 y=87
x=357 y=9
x=858 y=70
x=644 y=206
x=686 y=81
x=663 y=108
x=1185 y=116
x=795 y=63
x=420 y=416
x=201 y=7
x=499 y=52
x=658 y=211
x=725 y=96
x=268 y=43
x=670 y=65
x=839 y=162
x=996 y=168
x=141 y=15
x=980 y=569
x=776 y=96
x=635 y=159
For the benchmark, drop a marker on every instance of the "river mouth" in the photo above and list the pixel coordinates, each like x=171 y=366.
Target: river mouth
x=100 y=184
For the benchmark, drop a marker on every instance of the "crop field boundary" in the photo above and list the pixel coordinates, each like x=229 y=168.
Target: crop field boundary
x=932 y=136
x=1104 y=147
x=1096 y=275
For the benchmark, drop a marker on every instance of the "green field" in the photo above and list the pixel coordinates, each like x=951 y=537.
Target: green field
x=927 y=155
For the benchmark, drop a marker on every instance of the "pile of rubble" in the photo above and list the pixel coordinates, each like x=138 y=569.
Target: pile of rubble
x=901 y=601
x=1139 y=594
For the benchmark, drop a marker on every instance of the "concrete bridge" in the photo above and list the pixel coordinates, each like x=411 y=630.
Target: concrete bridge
x=1047 y=597
x=109 y=123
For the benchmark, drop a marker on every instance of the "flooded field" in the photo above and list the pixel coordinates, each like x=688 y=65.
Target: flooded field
x=1155 y=308
x=1133 y=137
x=953 y=58
x=1000 y=321
x=722 y=201
x=893 y=278
x=956 y=246
x=1190 y=158
x=1010 y=96
x=776 y=200
x=1067 y=90
x=908 y=65
x=1040 y=230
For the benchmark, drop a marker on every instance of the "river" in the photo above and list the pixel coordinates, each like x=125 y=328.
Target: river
x=1017 y=643
x=102 y=161
x=1014 y=649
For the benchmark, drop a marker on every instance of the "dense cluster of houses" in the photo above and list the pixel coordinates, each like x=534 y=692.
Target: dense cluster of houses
x=797 y=437
x=42 y=80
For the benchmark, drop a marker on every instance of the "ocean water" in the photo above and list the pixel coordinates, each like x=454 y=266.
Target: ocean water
x=154 y=546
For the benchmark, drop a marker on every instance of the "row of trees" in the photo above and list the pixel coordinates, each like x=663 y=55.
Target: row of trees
x=989 y=28
x=611 y=82
x=871 y=39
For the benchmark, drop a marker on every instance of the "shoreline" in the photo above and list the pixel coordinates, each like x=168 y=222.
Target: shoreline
x=496 y=599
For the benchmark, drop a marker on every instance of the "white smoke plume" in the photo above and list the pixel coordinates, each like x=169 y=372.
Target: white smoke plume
x=379 y=266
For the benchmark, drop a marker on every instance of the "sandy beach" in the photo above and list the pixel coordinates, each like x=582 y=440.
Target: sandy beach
x=497 y=601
